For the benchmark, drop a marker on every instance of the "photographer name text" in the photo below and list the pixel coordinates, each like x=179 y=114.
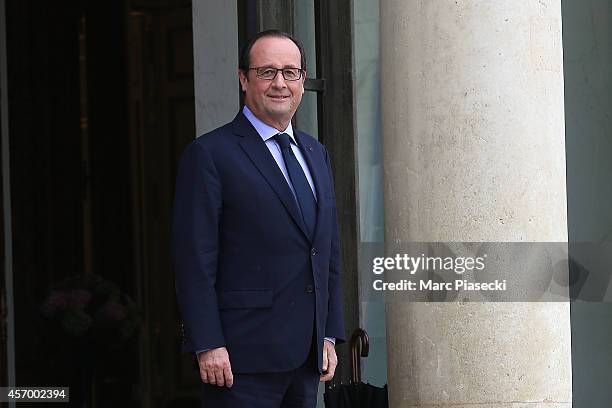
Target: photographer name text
x=431 y=285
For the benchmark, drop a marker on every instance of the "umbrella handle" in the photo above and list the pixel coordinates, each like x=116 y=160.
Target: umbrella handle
x=360 y=345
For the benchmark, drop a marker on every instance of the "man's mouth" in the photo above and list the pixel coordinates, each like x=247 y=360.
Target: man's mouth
x=278 y=97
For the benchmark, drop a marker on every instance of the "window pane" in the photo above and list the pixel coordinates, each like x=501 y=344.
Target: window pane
x=304 y=29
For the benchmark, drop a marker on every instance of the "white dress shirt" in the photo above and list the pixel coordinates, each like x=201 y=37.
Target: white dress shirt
x=267 y=133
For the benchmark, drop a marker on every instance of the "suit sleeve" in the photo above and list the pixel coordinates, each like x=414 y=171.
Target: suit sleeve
x=197 y=208
x=335 y=323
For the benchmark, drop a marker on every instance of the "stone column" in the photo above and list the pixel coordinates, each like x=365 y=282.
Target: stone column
x=473 y=139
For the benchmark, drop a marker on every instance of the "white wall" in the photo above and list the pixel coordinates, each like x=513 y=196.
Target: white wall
x=215 y=60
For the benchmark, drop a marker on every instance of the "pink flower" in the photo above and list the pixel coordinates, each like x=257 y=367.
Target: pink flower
x=112 y=311
x=56 y=301
x=79 y=298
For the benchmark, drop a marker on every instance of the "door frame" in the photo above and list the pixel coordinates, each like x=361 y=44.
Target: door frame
x=7 y=322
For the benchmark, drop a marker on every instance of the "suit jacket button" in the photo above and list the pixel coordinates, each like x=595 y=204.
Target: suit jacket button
x=313 y=252
x=309 y=289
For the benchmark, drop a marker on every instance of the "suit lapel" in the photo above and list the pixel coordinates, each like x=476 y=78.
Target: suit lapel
x=256 y=149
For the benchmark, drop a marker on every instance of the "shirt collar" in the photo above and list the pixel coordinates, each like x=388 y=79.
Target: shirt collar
x=264 y=130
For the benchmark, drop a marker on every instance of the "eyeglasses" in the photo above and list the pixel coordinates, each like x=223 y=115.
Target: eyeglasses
x=269 y=73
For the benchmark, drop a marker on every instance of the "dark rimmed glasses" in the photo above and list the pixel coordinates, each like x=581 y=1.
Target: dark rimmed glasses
x=269 y=73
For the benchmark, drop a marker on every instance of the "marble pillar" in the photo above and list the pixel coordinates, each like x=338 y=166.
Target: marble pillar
x=473 y=141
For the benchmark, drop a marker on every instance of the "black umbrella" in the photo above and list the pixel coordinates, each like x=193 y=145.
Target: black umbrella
x=357 y=394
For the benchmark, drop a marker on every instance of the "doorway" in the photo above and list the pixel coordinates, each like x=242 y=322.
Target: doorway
x=101 y=106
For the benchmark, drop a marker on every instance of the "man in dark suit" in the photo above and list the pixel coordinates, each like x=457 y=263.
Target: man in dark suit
x=256 y=244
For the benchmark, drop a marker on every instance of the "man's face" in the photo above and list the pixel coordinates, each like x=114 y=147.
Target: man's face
x=273 y=101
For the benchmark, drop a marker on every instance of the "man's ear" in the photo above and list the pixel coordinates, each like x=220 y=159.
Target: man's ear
x=243 y=80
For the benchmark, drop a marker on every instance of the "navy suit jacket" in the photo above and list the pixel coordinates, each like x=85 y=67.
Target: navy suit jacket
x=248 y=276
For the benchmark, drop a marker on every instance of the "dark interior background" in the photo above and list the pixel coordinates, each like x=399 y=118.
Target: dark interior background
x=101 y=105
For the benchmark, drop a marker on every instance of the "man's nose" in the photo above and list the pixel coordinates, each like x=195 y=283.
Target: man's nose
x=279 y=80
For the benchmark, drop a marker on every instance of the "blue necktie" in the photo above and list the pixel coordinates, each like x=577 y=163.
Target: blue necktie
x=303 y=192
